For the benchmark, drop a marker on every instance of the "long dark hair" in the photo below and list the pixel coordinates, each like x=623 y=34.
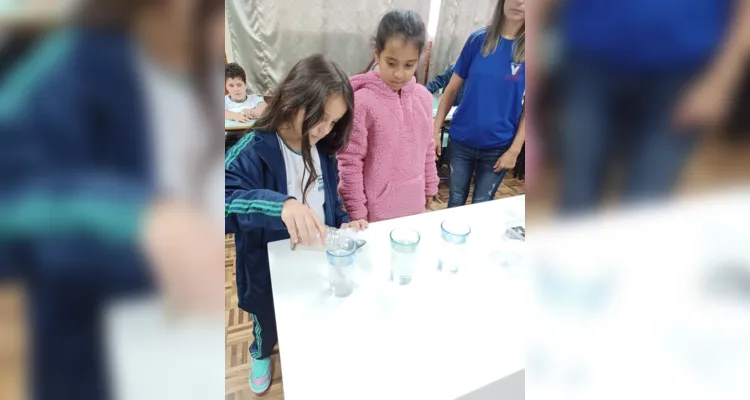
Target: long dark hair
x=307 y=87
x=121 y=15
x=405 y=23
x=495 y=30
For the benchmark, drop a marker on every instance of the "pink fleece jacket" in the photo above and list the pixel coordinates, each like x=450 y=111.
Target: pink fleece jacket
x=388 y=169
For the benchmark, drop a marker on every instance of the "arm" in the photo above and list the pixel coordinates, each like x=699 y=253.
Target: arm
x=351 y=166
x=55 y=226
x=341 y=217
x=520 y=137
x=446 y=102
x=508 y=159
x=247 y=205
x=460 y=74
x=439 y=81
x=53 y=215
x=430 y=167
x=234 y=116
x=258 y=111
x=708 y=102
x=54 y=208
x=339 y=213
x=733 y=56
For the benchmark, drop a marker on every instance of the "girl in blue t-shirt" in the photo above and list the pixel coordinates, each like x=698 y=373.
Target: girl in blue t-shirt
x=487 y=131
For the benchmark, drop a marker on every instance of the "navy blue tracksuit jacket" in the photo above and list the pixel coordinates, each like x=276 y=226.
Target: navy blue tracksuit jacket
x=441 y=81
x=255 y=191
x=74 y=183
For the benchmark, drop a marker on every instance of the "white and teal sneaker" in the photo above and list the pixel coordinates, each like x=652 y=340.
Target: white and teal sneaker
x=260 y=375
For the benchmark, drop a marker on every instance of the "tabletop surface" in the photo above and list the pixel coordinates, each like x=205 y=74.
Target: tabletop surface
x=442 y=336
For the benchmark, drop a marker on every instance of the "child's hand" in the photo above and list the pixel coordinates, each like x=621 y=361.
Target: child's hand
x=359 y=225
x=234 y=116
x=428 y=202
x=303 y=224
x=184 y=252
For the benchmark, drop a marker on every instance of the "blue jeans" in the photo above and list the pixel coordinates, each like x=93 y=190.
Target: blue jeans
x=625 y=116
x=467 y=162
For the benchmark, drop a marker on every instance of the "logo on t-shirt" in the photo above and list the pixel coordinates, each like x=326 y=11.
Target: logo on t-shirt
x=514 y=69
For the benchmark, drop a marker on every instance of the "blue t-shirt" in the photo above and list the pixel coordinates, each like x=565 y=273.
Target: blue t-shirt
x=490 y=111
x=646 y=34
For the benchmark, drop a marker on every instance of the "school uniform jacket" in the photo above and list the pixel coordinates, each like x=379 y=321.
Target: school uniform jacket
x=255 y=191
x=74 y=185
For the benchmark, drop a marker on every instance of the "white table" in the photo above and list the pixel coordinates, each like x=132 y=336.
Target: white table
x=444 y=336
x=140 y=330
x=637 y=303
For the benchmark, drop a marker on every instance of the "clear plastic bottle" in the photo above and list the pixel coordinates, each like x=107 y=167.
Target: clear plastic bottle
x=334 y=239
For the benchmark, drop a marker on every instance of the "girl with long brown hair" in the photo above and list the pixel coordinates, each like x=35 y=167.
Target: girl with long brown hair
x=280 y=182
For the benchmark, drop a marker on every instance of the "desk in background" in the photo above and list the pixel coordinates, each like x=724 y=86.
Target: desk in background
x=233 y=130
x=230 y=125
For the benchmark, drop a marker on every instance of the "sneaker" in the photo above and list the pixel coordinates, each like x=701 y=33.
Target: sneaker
x=260 y=375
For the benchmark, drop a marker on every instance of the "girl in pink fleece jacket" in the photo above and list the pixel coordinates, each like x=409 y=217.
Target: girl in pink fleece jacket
x=388 y=170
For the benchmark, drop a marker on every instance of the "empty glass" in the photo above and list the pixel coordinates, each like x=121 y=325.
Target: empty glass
x=403 y=254
x=341 y=266
x=452 y=251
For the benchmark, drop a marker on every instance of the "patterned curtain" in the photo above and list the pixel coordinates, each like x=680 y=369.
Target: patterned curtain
x=269 y=36
x=457 y=20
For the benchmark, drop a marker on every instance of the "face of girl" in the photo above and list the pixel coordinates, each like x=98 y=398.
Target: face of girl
x=398 y=62
x=335 y=108
x=515 y=10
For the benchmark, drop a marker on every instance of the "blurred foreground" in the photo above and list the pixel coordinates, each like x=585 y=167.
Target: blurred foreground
x=621 y=115
x=648 y=302
x=638 y=200
x=110 y=231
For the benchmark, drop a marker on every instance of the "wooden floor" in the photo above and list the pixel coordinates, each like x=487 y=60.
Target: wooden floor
x=239 y=326
x=13 y=337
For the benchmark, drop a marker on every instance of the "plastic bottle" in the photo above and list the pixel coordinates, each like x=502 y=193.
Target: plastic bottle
x=334 y=237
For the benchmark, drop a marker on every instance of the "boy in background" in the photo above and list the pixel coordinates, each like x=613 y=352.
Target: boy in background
x=238 y=105
x=441 y=81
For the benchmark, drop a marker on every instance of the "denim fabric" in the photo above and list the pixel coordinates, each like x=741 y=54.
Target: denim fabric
x=467 y=162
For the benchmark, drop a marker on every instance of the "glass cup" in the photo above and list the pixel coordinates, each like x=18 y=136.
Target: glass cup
x=403 y=254
x=341 y=267
x=453 y=249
